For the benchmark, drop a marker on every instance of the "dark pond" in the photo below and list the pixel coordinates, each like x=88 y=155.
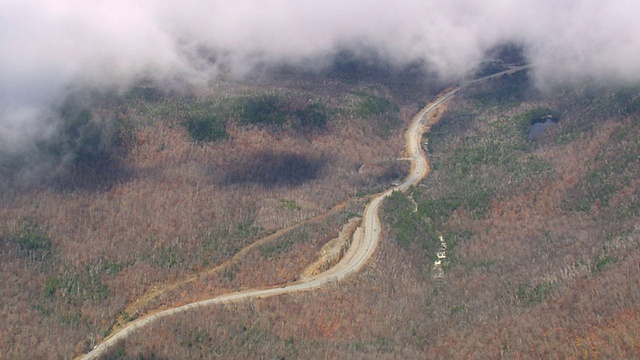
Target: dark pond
x=540 y=125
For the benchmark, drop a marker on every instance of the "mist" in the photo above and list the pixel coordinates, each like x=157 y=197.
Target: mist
x=48 y=45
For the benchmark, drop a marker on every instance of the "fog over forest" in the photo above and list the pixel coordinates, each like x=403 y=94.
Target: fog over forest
x=47 y=45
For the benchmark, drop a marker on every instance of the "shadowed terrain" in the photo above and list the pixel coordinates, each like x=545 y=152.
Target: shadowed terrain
x=271 y=169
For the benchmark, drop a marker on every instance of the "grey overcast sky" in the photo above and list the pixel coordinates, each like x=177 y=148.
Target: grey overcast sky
x=47 y=44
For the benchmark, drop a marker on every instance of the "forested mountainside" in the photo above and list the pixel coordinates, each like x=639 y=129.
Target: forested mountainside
x=541 y=232
x=144 y=199
x=541 y=247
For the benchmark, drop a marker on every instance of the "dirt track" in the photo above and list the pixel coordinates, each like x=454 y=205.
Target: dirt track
x=363 y=245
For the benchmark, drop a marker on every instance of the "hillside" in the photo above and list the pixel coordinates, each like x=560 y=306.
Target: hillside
x=541 y=234
x=143 y=198
x=542 y=248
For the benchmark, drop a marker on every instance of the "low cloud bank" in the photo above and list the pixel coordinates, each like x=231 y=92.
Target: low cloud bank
x=46 y=45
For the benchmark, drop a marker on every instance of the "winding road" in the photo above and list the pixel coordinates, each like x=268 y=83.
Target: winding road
x=364 y=243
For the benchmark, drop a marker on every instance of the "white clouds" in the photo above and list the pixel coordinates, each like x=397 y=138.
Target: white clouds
x=45 y=44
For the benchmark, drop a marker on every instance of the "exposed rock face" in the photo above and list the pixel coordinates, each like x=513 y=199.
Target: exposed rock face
x=438 y=271
x=334 y=250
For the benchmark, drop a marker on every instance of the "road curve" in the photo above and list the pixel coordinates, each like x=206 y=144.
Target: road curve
x=360 y=251
x=357 y=255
